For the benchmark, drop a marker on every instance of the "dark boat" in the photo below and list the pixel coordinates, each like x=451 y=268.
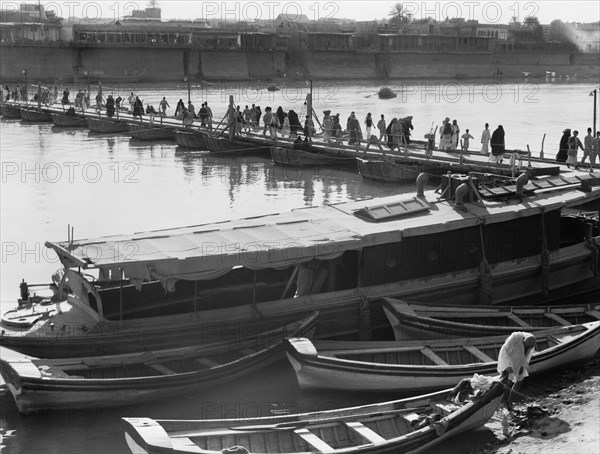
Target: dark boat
x=105 y=125
x=105 y=381
x=339 y=259
x=191 y=139
x=146 y=131
x=35 y=114
x=386 y=93
x=404 y=426
x=10 y=110
x=236 y=146
x=301 y=158
x=388 y=171
x=64 y=120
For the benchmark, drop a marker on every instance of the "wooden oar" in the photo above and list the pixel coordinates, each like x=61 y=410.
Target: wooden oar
x=542 y=150
x=315 y=422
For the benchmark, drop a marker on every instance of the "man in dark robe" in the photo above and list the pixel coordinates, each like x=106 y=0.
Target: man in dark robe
x=563 y=147
x=497 y=141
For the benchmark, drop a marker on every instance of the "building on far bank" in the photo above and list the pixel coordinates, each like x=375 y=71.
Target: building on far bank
x=142 y=48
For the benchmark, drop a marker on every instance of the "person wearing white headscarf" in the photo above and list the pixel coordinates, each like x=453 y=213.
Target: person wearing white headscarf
x=513 y=360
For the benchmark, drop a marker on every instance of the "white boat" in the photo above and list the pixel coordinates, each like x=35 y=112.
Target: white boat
x=407 y=426
x=427 y=365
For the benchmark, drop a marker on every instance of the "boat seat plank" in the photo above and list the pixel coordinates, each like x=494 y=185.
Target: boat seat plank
x=365 y=432
x=433 y=357
x=594 y=313
x=555 y=339
x=518 y=321
x=478 y=354
x=557 y=318
x=313 y=440
x=207 y=362
x=162 y=369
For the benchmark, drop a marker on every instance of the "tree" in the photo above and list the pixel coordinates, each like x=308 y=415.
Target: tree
x=399 y=15
x=531 y=21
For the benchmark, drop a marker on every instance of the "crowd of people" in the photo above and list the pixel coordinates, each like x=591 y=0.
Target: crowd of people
x=571 y=143
x=45 y=95
x=279 y=123
x=452 y=140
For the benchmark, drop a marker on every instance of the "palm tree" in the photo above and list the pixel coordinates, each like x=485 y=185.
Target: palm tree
x=399 y=16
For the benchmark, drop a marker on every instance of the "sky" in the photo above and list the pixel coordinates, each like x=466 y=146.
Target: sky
x=491 y=12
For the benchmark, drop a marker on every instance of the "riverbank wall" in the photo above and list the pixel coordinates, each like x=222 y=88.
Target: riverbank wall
x=71 y=64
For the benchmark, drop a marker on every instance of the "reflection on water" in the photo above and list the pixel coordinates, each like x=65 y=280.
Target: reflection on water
x=106 y=184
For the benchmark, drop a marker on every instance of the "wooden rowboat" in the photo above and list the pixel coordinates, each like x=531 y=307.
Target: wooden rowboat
x=402 y=426
x=64 y=120
x=302 y=158
x=416 y=366
x=34 y=114
x=147 y=132
x=10 y=110
x=224 y=145
x=103 y=381
x=191 y=139
x=105 y=125
x=414 y=321
x=388 y=171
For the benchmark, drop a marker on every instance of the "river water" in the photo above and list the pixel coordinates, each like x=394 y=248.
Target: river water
x=106 y=184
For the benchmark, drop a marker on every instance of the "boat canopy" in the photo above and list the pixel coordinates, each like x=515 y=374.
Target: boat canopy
x=207 y=251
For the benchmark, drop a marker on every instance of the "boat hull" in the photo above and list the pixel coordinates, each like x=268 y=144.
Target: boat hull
x=188 y=139
x=223 y=145
x=68 y=121
x=387 y=171
x=10 y=111
x=35 y=115
x=369 y=429
x=301 y=158
x=417 y=321
x=342 y=314
x=106 y=126
x=38 y=385
x=147 y=132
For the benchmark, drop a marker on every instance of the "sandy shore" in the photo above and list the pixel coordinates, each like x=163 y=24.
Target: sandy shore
x=559 y=415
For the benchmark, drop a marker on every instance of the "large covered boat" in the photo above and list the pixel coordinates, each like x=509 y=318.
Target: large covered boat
x=470 y=244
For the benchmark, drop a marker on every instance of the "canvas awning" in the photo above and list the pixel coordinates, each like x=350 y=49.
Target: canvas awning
x=281 y=240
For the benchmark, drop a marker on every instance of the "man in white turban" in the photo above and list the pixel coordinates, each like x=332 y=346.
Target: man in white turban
x=513 y=360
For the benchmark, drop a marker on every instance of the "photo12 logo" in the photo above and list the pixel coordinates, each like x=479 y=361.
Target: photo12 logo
x=486 y=12
x=69 y=172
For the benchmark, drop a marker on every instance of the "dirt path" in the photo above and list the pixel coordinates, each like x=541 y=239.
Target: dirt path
x=560 y=415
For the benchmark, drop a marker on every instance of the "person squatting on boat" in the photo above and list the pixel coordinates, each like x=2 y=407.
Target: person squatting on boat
x=513 y=360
